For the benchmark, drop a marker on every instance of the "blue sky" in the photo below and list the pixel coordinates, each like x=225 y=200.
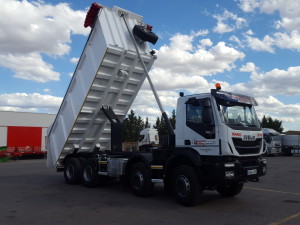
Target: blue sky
x=249 y=46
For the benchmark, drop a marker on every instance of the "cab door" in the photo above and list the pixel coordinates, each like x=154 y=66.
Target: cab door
x=199 y=130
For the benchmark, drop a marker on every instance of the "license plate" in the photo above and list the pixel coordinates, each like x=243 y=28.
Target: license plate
x=251 y=172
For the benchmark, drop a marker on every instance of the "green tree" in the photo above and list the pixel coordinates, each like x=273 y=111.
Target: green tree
x=147 y=124
x=173 y=119
x=132 y=126
x=269 y=122
x=161 y=126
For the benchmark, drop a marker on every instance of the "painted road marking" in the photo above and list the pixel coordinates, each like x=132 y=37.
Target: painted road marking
x=286 y=219
x=269 y=190
x=281 y=192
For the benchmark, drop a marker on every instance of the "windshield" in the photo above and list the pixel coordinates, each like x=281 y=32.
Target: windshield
x=239 y=115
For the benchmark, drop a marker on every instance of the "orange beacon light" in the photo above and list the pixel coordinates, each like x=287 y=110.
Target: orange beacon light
x=218 y=86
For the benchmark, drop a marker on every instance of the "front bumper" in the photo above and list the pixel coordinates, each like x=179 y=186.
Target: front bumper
x=222 y=170
x=274 y=151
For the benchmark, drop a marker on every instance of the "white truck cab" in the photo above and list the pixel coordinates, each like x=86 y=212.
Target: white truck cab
x=219 y=123
x=148 y=138
x=272 y=141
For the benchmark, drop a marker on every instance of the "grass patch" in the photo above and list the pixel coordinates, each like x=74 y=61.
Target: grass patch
x=3 y=148
x=3 y=160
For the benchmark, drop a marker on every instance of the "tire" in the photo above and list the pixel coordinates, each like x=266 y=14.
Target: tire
x=90 y=177
x=186 y=186
x=73 y=171
x=140 y=180
x=230 y=190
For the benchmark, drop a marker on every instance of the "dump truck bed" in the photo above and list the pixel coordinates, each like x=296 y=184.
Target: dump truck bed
x=109 y=73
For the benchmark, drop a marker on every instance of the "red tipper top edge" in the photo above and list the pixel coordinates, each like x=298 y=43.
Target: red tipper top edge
x=92 y=15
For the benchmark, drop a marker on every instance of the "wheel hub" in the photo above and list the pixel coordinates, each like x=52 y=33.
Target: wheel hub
x=183 y=186
x=138 y=179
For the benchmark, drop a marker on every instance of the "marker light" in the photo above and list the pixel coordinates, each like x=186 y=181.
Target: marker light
x=218 y=86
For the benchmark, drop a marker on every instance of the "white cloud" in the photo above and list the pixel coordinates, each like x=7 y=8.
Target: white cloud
x=74 y=60
x=145 y=104
x=29 y=67
x=261 y=45
x=31 y=28
x=249 y=67
x=289 y=12
x=228 y=22
x=206 y=42
x=270 y=106
x=175 y=57
x=31 y=102
x=236 y=40
x=249 y=5
x=276 y=81
x=165 y=79
x=279 y=39
x=18 y=109
x=38 y=27
x=249 y=32
x=288 y=40
x=46 y=90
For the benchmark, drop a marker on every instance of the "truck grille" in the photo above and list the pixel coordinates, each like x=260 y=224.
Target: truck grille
x=247 y=147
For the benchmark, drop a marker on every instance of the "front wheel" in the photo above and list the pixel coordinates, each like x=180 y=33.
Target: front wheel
x=230 y=190
x=186 y=186
x=140 y=180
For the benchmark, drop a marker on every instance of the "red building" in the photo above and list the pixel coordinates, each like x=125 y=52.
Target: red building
x=23 y=132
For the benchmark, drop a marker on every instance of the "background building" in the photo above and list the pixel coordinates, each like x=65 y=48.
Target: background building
x=22 y=129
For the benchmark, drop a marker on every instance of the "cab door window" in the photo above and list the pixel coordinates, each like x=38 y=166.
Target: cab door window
x=197 y=112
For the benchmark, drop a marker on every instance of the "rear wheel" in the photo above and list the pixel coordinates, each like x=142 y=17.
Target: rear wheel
x=140 y=180
x=186 y=187
x=90 y=177
x=72 y=171
x=230 y=190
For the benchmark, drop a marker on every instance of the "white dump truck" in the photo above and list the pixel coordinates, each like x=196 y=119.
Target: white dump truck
x=218 y=140
x=272 y=141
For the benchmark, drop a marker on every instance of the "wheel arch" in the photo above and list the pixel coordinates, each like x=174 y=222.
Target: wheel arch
x=182 y=156
x=144 y=158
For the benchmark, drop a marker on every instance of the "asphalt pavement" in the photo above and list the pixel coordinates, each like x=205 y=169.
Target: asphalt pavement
x=31 y=193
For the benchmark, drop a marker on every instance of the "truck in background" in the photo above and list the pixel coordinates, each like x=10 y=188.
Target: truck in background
x=148 y=138
x=290 y=144
x=272 y=141
x=217 y=144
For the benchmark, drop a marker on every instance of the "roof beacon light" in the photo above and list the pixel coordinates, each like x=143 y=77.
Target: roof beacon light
x=218 y=86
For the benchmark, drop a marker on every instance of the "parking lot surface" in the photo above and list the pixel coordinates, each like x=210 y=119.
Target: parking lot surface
x=31 y=193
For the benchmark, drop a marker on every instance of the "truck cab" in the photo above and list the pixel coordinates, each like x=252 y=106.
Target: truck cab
x=148 y=138
x=219 y=124
x=272 y=141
